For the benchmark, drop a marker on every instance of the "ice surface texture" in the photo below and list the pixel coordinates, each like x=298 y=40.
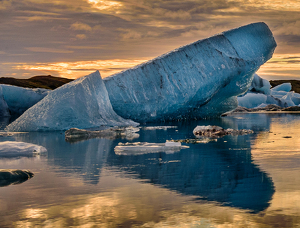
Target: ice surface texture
x=199 y=80
x=4 y=111
x=18 y=99
x=82 y=103
x=260 y=95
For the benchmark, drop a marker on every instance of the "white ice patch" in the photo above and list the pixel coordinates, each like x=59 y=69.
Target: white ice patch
x=139 y=148
x=158 y=127
x=19 y=149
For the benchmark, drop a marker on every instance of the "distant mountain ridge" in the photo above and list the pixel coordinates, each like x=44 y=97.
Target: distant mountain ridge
x=42 y=81
x=51 y=82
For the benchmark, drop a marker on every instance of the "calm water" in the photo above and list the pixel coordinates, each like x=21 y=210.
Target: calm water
x=237 y=181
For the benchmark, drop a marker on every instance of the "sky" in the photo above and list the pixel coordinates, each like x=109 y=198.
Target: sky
x=74 y=38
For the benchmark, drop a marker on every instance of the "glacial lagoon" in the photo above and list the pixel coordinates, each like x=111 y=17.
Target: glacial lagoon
x=234 y=181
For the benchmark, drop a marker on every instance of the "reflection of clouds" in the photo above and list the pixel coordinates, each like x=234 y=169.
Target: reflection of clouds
x=85 y=158
x=130 y=203
x=280 y=157
x=59 y=198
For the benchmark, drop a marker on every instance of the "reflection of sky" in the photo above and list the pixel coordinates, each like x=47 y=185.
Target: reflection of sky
x=73 y=38
x=66 y=190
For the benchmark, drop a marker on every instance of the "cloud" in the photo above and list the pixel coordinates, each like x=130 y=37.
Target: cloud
x=132 y=29
x=80 y=68
x=47 y=50
x=81 y=36
x=281 y=65
x=5 y=4
x=81 y=26
x=105 y=5
x=292 y=28
x=42 y=18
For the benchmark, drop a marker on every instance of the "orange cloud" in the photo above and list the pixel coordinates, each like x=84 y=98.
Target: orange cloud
x=80 y=68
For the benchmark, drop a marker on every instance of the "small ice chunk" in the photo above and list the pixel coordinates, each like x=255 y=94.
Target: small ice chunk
x=283 y=87
x=260 y=85
x=252 y=100
x=216 y=131
x=75 y=134
x=158 y=127
x=173 y=144
x=206 y=128
x=139 y=148
x=20 y=149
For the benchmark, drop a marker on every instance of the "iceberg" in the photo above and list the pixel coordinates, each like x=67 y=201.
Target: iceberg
x=82 y=103
x=260 y=95
x=18 y=99
x=260 y=85
x=198 y=80
x=285 y=87
x=4 y=111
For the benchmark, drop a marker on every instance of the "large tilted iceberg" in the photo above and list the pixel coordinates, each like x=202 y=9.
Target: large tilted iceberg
x=16 y=100
x=82 y=103
x=199 y=80
x=260 y=95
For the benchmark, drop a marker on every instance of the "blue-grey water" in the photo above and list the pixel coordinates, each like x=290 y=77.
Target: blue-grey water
x=235 y=181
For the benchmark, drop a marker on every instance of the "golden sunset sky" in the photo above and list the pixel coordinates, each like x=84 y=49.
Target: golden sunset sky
x=74 y=38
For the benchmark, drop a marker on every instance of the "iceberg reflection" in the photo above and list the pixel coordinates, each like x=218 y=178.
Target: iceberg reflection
x=221 y=171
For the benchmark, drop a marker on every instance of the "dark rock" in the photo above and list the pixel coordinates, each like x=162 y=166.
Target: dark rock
x=10 y=177
x=46 y=82
x=292 y=108
x=268 y=108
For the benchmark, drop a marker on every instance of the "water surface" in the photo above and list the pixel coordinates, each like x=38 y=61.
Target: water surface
x=236 y=181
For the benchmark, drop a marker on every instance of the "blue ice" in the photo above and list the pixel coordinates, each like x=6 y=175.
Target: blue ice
x=199 y=80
